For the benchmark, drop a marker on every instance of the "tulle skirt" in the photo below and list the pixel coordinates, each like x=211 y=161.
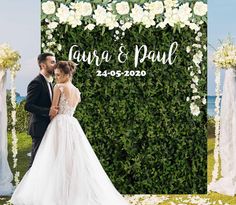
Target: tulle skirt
x=66 y=171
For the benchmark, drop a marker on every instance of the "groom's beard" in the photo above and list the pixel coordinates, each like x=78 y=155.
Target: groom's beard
x=50 y=72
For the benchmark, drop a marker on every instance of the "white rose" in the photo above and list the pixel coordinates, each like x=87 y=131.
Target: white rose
x=100 y=15
x=185 y=13
x=122 y=8
x=52 y=25
x=148 y=19
x=200 y=8
x=155 y=7
x=170 y=3
x=74 y=19
x=110 y=21
x=194 y=109
x=63 y=13
x=48 y=7
x=89 y=27
x=137 y=13
x=84 y=8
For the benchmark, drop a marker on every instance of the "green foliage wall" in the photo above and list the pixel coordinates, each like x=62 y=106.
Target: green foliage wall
x=141 y=128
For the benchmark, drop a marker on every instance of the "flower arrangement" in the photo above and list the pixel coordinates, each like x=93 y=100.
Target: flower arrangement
x=9 y=59
x=225 y=55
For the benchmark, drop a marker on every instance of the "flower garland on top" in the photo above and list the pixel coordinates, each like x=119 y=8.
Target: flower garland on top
x=9 y=59
x=121 y=16
x=223 y=58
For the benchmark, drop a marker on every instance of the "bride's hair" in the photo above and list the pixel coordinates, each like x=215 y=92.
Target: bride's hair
x=68 y=67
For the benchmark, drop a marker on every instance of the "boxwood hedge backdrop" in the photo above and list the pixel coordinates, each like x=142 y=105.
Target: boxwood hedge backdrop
x=141 y=128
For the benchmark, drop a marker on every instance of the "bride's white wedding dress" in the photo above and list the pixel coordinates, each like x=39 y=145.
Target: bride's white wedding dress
x=227 y=141
x=66 y=170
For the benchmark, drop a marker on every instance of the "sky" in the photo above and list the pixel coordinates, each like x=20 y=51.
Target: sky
x=20 y=27
x=221 y=23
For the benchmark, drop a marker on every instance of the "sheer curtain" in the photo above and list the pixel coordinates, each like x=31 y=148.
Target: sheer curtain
x=6 y=176
x=227 y=141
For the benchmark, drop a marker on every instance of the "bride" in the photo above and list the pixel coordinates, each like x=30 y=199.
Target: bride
x=66 y=170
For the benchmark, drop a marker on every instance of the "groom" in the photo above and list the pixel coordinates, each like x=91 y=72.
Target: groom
x=39 y=100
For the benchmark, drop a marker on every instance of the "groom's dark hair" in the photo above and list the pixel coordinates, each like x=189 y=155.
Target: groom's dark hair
x=42 y=57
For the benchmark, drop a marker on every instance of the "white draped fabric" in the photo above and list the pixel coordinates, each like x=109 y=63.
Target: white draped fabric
x=6 y=187
x=227 y=141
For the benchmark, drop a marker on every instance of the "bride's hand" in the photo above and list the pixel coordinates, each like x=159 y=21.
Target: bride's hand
x=53 y=111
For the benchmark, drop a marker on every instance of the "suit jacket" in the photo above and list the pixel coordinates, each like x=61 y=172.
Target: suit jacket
x=38 y=103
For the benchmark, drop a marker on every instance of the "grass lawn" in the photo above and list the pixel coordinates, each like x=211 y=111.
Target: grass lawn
x=24 y=144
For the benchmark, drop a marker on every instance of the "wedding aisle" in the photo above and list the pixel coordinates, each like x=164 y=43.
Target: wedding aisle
x=212 y=198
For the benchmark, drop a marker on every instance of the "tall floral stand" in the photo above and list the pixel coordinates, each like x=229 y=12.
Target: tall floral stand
x=6 y=176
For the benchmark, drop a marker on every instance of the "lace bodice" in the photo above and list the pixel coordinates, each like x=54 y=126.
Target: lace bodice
x=64 y=106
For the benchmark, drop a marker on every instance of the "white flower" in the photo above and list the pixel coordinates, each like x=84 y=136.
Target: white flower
x=195 y=79
x=84 y=8
x=194 y=26
x=185 y=13
x=191 y=73
x=50 y=36
x=127 y=25
x=48 y=32
x=204 y=101
x=197 y=58
x=137 y=13
x=100 y=15
x=200 y=8
x=197 y=38
x=170 y=3
x=148 y=19
x=171 y=17
x=52 y=25
x=199 y=34
x=162 y=24
x=74 y=19
x=122 y=8
x=193 y=86
x=63 y=13
x=194 y=109
x=154 y=8
x=59 y=47
x=188 y=49
x=187 y=99
x=89 y=27
x=195 y=90
x=111 y=21
x=48 y=7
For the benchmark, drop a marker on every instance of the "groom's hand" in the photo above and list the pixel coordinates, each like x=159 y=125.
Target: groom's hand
x=53 y=111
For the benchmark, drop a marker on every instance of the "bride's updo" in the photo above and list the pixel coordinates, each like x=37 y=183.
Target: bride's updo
x=67 y=67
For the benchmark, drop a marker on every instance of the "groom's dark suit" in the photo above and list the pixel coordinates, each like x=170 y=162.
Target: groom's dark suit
x=38 y=103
